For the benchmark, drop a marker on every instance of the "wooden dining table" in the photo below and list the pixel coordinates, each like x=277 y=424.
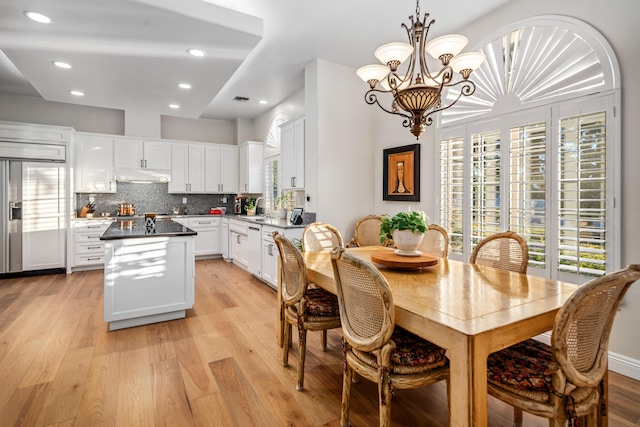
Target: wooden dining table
x=469 y=310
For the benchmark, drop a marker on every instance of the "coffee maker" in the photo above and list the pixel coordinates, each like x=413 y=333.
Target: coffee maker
x=238 y=205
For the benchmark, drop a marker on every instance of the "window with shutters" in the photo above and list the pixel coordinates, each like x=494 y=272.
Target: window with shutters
x=535 y=150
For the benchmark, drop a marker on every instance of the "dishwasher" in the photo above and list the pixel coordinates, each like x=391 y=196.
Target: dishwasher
x=254 y=246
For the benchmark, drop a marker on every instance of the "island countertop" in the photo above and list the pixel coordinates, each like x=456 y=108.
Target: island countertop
x=135 y=228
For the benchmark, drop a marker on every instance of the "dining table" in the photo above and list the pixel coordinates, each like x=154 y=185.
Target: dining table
x=468 y=309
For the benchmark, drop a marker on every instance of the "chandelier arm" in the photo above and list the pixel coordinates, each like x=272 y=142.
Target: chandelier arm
x=424 y=68
x=371 y=98
x=467 y=89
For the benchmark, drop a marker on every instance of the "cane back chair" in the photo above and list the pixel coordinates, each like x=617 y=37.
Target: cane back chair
x=506 y=250
x=373 y=346
x=309 y=309
x=367 y=232
x=318 y=236
x=435 y=241
x=567 y=379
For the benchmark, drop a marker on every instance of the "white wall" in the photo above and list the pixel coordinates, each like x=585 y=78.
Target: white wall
x=339 y=146
x=203 y=130
x=33 y=109
x=292 y=106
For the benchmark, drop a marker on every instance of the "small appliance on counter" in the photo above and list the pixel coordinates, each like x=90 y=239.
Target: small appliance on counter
x=296 y=216
x=126 y=209
x=217 y=211
x=238 y=205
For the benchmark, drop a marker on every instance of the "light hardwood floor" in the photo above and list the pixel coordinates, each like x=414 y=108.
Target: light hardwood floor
x=220 y=366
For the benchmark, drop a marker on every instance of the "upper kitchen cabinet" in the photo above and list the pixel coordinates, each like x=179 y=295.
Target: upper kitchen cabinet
x=187 y=168
x=292 y=153
x=221 y=175
x=140 y=154
x=251 y=158
x=93 y=164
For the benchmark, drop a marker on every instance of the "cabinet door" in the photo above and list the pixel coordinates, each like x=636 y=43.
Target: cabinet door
x=179 y=166
x=270 y=263
x=129 y=153
x=298 y=156
x=292 y=154
x=93 y=164
x=157 y=155
x=287 y=153
x=243 y=170
x=195 y=169
x=228 y=169
x=212 y=170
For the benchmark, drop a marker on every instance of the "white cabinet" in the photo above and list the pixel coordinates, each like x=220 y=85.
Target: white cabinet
x=251 y=158
x=254 y=250
x=133 y=153
x=88 y=249
x=238 y=243
x=269 y=257
x=221 y=174
x=93 y=164
x=187 y=168
x=292 y=153
x=224 y=239
x=207 y=240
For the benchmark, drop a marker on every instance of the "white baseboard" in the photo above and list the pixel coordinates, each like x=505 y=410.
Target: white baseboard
x=618 y=363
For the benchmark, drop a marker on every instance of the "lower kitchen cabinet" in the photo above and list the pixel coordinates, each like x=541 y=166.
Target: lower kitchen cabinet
x=207 y=242
x=87 y=248
x=238 y=243
x=269 y=257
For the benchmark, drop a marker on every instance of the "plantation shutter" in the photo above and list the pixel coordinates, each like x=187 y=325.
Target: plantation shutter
x=452 y=191
x=582 y=194
x=485 y=185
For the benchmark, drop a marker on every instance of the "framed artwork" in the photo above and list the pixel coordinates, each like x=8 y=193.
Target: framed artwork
x=401 y=175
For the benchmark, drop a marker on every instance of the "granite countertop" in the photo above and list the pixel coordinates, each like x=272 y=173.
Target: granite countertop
x=135 y=228
x=265 y=220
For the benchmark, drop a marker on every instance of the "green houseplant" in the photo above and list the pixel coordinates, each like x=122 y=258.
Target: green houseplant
x=250 y=206
x=406 y=229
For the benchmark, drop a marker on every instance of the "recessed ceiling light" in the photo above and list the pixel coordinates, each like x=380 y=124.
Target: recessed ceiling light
x=61 y=64
x=184 y=86
x=38 y=17
x=76 y=93
x=174 y=106
x=197 y=52
x=263 y=101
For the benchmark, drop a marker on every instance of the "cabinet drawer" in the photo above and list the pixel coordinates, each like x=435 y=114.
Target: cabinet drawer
x=92 y=237
x=88 y=259
x=204 y=223
x=89 y=248
x=239 y=227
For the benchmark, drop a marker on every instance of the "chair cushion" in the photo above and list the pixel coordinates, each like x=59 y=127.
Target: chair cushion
x=411 y=355
x=322 y=303
x=527 y=365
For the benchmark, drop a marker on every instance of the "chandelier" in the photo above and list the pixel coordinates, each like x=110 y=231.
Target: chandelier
x=417 y=91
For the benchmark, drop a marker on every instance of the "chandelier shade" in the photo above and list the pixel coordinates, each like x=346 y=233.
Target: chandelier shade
x=415 y=91
x=372 y=73
x=393 y=54
x=444 y=46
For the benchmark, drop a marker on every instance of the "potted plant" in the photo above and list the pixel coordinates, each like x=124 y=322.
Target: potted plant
x=250 y=206
x=406 y=229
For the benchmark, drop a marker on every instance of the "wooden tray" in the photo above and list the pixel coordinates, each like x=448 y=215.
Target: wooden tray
x=399 y=262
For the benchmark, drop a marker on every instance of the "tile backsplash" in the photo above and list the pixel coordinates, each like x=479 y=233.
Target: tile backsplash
x=153 y=197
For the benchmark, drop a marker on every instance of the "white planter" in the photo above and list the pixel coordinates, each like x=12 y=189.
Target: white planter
x=282 y=213
x=407 y=242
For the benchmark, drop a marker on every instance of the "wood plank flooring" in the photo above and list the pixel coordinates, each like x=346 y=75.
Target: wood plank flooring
x=220 y=366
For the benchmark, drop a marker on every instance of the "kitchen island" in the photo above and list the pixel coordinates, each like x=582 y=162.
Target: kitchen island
x=149 y=272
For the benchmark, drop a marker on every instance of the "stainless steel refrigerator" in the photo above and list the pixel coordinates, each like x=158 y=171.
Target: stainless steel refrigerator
x=32 y=212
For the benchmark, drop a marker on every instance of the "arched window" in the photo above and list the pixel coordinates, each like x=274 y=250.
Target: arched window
x=535 y=149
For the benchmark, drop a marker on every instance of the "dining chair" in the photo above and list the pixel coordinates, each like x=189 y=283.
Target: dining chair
x=373 y=347
x=506 y=250
x=567 y=379
x=367 y=232
x=319 y=236
x=309 y=309
x=435 y=241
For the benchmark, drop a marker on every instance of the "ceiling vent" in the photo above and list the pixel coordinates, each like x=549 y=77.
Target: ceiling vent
x=240 y=98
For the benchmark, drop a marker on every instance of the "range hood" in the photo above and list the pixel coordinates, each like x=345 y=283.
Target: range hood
x=142 y=175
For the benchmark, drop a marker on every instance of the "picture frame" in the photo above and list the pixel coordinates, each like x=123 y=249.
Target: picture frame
x=401 y=173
